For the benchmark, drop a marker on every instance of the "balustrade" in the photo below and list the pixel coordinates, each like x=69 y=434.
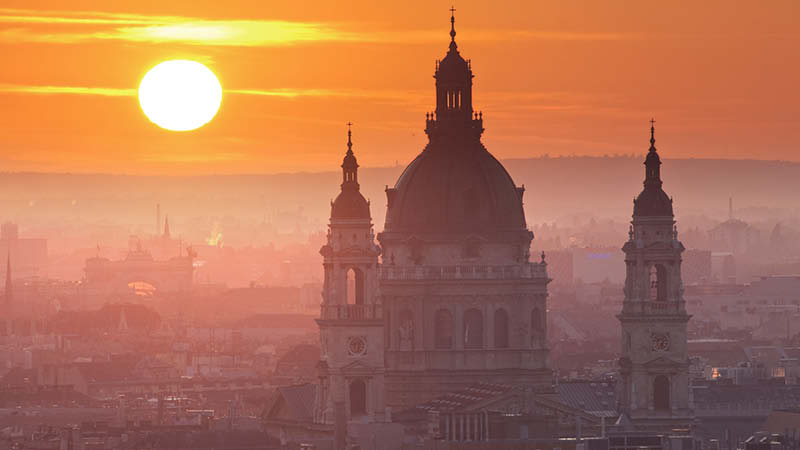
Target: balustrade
x=354 y=312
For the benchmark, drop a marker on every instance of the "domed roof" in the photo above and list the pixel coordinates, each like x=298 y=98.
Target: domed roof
x=455 y=186
x=652 y=202
x=350 y=204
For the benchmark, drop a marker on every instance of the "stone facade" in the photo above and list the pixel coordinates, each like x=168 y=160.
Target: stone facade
x=463 y=303
x=654 y=367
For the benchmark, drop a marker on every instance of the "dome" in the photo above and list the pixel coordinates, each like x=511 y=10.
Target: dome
x=455 y=186
x=453 y=66
x=652 y=202
x=350 y=204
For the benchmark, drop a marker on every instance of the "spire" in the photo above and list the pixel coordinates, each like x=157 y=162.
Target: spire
x=349 y=164
x=652 y=163
x=453 y=89
x=9 y=287
x=652 y=201
x=652 y=135
x=452 y=25
x=349 y=138
x=166 y=226
x=350 y=204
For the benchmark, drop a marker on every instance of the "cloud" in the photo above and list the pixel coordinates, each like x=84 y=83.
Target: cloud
x=289 y=93
x=27 y=26
x=69 y=90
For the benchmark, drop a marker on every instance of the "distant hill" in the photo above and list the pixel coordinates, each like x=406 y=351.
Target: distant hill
x=555 y=188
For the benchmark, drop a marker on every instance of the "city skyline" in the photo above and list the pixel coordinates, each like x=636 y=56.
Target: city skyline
x=717 y=80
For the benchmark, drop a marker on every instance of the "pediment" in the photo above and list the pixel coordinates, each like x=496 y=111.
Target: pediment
x=662 y=362
x=357 y=366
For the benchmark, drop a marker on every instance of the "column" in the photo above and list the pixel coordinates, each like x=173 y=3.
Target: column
x=461 y=421
x=486 y=423
x=446 y=428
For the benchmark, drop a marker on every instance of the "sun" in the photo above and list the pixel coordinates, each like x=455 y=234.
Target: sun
x=180 y=95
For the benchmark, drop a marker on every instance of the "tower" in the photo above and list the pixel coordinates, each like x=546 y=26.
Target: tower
x=351 y=369
x=654 y=366
x=463 y=303
x=8 y=305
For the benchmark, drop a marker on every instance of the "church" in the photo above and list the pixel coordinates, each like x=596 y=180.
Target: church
x=443 y=314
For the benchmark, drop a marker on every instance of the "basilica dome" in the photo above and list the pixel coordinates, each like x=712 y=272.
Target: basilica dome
x=455 y=186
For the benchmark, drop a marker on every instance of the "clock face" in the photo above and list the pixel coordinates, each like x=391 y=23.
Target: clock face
x=356 y=345
x=660 y=342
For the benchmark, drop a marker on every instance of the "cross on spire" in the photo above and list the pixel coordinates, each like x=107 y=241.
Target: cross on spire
x=652 y=135
x=349 y=134
x=452 y=23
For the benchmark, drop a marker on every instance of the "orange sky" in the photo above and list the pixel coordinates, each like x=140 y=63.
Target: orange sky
x=555 y=77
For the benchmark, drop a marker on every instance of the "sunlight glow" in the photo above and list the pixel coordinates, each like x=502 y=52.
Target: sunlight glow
x=180 y=95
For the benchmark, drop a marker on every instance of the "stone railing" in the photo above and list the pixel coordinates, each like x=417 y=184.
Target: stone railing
x=653 y=307
x=352 y=312
x=478 y=272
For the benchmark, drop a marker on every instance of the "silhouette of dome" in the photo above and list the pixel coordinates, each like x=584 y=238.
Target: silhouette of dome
x=350 y=205
x=455 y=186
x=652 y=202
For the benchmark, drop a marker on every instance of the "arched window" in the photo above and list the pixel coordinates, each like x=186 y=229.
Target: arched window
x=658 y=283
x=537 y=327
x=473 y=329
x=355 y=287
x=661 y=392
x=443 y=329
x=501 y=328
x=358 y=398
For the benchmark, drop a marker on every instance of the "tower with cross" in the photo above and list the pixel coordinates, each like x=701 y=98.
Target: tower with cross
x=654 y=366
x=351 y=320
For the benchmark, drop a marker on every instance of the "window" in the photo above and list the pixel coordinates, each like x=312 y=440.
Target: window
x=473 y=329
x=358 y=398
x=354 y=290
x=661 y=392
x=537 y=327
x=658 y=283
x=501 y=328
x=443 y=329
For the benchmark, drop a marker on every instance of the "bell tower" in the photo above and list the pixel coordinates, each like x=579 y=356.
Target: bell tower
x=654 y=366
x=351 y=366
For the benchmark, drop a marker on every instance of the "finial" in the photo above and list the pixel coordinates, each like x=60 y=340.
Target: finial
x=543 y=257
x=652 y=135
x=452 y=23
x=349 y=135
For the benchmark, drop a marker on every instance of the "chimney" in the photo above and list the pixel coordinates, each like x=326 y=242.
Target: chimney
x=730 y=208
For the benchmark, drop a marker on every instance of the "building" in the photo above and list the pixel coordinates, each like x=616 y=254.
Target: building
x=29 y=255
x=462 y=302
x=138 y=273
x=654 y=366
